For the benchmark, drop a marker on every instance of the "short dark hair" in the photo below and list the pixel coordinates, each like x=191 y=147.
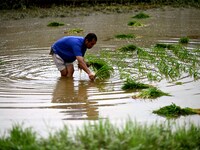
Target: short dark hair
x=90 y=37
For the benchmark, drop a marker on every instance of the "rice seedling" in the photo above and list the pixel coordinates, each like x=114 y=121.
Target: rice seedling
x=174 y=111
x=74 y=31
x=101 y=68
x=179 y=83
x=184 y=40
x=141 y=15
x=105 y=135
x=163 y=45
x=134 y=23
x=128 y=48
x=125 y=36
x=55 y=24
x=151 y=93
x=1 y=62
x=131 y=84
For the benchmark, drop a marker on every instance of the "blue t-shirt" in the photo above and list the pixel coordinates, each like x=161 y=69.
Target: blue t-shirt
x=69 y=47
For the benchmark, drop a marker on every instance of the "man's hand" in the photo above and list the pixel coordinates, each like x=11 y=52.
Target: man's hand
x=91 y=76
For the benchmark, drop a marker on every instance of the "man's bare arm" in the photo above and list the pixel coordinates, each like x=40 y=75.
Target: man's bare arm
x=83 y=66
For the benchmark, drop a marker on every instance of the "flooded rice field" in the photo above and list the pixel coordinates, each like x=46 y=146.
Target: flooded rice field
x=32 y=91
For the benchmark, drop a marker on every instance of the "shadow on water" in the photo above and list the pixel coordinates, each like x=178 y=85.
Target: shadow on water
x=75 y=99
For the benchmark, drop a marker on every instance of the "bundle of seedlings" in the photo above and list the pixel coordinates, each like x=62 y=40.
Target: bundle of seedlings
x=55 y=24
x=131 y=84
x=129 y=48
x=141 y=15
x=101 y=68
x=151 y=93
x=125 y=36
x=174 y=111
x=135 y=23
x=74 y=31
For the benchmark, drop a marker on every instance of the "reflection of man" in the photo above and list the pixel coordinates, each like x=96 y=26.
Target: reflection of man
x=70 y=48
x=75 y=97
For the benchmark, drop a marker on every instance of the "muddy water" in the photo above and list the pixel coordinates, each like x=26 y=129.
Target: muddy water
x=32 y=91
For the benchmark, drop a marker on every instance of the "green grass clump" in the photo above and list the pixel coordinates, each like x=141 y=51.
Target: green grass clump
x=131 y=84
x=105 y=135
x=101 y=68
x=55 y=24
x=134 y=23
x=184 y=40
x=151 y=93
x=141 y=15
x=174 y=111
x=128 y=48
x=125 y=36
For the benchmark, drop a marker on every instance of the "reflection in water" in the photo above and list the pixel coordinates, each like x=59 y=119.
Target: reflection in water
x=75 y=99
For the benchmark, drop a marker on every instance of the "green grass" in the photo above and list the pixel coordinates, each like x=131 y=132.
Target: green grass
x=134 y=23
x=104 y=135
x=184 y=40
x=131 y=84
x=55 y=24
x=174 y=111
x=141 y=15
x=125 y=36
x=151 y=93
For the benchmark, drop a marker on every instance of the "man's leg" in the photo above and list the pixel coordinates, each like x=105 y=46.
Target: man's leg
x=68 y=71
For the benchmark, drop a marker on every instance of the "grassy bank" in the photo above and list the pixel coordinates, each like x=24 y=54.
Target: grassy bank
x=7 y=4
x=104 y=135
x=19 y=10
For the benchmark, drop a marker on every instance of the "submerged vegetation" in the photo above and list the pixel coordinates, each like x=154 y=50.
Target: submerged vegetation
x=55 y=24
x=104 y=135
x=174 y=111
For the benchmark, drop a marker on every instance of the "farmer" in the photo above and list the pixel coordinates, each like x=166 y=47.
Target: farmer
x=70 y=48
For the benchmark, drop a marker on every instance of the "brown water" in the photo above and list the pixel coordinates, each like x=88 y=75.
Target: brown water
x=32 y=92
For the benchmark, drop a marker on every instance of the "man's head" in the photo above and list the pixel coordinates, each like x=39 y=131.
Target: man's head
x=90 y=40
